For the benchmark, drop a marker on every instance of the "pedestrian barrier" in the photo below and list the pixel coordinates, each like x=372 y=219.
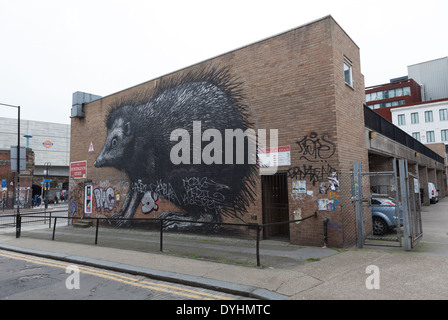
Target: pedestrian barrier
x=57 y=216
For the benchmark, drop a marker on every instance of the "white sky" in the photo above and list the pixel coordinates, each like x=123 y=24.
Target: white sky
x=52 y=48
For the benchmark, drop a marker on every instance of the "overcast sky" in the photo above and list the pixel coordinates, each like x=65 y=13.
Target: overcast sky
x=52 y=48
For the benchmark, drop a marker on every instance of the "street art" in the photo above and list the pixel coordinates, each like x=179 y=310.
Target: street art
x=104 y=199
x=139 y=142
x=150 y=202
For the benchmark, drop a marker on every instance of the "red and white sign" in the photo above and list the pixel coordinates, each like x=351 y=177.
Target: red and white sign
x=91 y=147
x=275 y=157
x=78 y=170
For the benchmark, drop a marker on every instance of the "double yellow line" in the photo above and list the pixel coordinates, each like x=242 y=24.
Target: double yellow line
x=133 y=281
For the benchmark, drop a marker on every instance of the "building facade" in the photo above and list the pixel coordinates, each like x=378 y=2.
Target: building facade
x=396 y=93
x=427 y=123
x=425 y=82
x=50 y=143
x=399 y=92
x=8 y=178
x=433 y=76
x=161 y=153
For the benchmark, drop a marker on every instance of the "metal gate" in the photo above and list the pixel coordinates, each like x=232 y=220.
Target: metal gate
x=275 y=205
x=387 y=206
x=410 y=199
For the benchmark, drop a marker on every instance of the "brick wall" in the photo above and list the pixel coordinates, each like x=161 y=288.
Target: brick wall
x=292 y=82
x=26 y=177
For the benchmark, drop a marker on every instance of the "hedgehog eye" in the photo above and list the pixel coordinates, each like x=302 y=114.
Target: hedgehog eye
x=114 y=143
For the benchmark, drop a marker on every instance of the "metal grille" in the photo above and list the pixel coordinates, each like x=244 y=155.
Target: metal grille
x=275 y=205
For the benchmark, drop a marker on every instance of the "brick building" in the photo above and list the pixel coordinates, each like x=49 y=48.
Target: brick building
x=399 y=92
x=306 y=83
x=9 y=179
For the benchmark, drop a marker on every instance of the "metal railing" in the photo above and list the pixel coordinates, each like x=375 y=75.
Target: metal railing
x=49 y=216
x=381 y=125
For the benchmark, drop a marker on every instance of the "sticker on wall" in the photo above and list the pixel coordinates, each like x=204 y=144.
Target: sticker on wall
x=47 y=144
x=299 y=186
x=91 y=147
x=325 y=205
x=298 y=215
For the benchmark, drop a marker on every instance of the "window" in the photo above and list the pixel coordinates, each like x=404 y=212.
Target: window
x=428 y=116
x=416 y=135
x=443 y=114
x=368 y=97
x=430 y=136
x=407 y=91
x=348 y=74
x=444 y=135
x=414 y=117
x=401 y=120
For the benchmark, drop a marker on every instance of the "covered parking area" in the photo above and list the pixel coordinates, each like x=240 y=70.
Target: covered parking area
x=386 y=142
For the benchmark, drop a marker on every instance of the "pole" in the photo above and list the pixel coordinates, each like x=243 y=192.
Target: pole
x=19 y=219
x=96 y=231
x=357 y=181
x=54 y=227
x=258 y=245
x=161 y=235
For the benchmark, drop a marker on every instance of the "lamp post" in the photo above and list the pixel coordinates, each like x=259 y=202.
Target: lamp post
x=47 y=172
x=18 y=218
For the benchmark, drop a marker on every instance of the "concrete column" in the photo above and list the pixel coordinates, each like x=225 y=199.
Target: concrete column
x=440 y=184
x=423 y=180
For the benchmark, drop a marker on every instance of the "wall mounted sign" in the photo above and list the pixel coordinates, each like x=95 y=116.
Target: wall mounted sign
x=91 y=147
x=78 y=170
x=47 y=144
x=275 y=157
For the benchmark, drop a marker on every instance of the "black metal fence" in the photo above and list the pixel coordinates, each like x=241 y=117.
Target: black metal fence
x=12 y=220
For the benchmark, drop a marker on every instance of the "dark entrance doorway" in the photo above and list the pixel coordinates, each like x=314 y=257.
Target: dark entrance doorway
x=275 y=205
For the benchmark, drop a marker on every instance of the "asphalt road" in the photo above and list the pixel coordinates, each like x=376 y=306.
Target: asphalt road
x=24 y=277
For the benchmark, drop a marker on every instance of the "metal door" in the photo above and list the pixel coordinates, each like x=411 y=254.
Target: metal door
x=275 y=205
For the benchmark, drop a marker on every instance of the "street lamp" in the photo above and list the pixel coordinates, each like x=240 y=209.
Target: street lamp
x=18 y=218
x=47 y=172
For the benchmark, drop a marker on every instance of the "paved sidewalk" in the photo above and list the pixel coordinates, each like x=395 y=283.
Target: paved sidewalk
x=309 y=272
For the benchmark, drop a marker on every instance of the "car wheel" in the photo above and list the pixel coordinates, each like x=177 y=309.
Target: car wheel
x=379 y=227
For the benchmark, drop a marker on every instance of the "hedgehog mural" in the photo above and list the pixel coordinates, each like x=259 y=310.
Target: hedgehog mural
x=140 y=139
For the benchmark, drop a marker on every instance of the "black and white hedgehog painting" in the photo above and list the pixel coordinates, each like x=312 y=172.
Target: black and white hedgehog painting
x=140 y=130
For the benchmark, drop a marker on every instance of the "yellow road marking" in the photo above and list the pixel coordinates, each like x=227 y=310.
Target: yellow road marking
x=119 y=278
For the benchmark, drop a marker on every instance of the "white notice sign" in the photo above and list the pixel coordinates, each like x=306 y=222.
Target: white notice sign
x=275 y=157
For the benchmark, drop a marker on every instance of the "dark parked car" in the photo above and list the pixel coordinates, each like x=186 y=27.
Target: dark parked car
x=384 y=216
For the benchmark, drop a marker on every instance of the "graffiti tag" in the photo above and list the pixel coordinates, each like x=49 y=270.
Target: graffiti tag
x=313 y=174
x=316 y=149
x=203 y=192
x=104 y=199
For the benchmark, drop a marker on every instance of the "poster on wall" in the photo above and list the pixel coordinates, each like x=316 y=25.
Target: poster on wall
x=88 y=200
x=325 y=205
x=299 y=186
x=78 y=170
x=275 y=157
